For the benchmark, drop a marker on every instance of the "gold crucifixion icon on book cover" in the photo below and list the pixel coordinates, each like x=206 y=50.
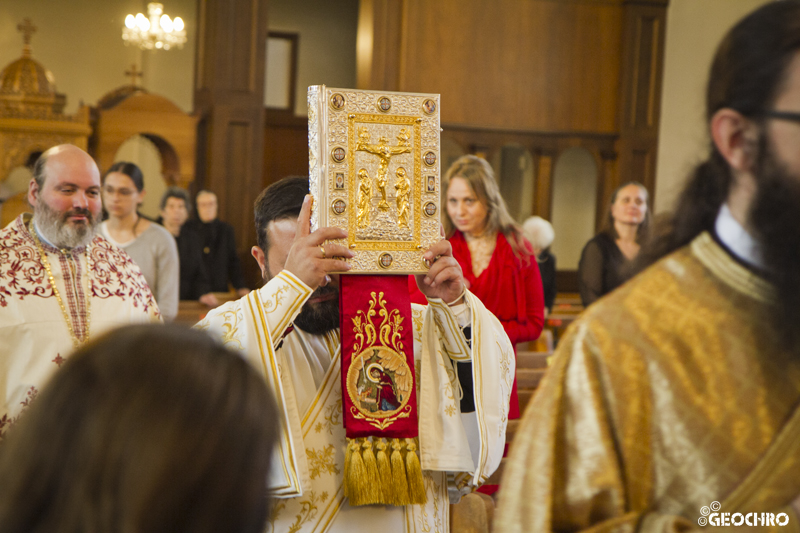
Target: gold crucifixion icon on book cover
x=374 y=171
x=376 y=218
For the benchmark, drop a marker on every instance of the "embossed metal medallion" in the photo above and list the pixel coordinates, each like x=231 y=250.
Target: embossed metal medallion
x=337 y=101
x=429 y=158
x=338 y=154
x=385 y=260
x=429 y=209
x=384 y=103
x=339 y=206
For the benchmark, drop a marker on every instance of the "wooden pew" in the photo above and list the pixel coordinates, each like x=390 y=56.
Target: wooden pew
x=190 y=312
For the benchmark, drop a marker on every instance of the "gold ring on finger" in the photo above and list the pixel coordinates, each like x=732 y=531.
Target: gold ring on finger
x=322 y=249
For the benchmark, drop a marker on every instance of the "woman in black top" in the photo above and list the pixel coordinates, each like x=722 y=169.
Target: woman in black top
x=606 y=258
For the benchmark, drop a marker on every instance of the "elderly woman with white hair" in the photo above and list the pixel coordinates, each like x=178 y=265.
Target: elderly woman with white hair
x=540 y=234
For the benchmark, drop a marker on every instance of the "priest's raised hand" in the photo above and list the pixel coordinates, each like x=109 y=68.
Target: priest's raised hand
x=444 y=279
x=309 y=258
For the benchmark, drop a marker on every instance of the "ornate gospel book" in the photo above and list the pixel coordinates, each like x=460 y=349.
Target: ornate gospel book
x=374 y=171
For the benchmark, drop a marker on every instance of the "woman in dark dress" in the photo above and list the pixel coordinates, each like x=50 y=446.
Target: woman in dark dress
x=607 y=257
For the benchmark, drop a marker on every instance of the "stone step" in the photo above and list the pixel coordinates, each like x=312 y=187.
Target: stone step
x=532 y=359
x=529 y=378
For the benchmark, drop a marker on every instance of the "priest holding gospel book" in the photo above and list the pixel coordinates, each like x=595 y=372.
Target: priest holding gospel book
x=374 y=436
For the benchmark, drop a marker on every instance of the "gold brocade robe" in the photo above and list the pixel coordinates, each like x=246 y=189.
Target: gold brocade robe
x=667 y=395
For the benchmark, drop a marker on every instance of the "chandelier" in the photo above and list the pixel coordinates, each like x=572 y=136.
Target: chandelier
x=155 y=31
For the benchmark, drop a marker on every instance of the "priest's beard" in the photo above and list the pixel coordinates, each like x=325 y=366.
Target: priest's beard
x=775 y=218
x=320 y=317
x=58 y=230
x=317 y=317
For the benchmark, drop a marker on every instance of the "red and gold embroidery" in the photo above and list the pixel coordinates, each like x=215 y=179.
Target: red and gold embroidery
x=378 y=392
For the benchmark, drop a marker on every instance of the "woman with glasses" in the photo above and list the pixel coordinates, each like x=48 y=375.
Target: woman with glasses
x=150 y=246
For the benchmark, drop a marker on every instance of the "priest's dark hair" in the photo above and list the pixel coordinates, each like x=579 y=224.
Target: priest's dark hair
x=129 y=169
x=283 y=199
x=746 y=75
x=146 y=429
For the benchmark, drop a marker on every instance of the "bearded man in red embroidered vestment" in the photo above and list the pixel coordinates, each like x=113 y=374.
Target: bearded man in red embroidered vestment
x=60 y=281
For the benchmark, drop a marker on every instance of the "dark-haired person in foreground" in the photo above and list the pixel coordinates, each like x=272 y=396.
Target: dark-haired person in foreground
x=289 y=329
x=61 y=283
x=147 y=429
x=681 y=388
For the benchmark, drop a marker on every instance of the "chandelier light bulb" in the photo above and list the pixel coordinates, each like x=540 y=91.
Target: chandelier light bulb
x=142 y=23
x=166 y=23
x=154 y=31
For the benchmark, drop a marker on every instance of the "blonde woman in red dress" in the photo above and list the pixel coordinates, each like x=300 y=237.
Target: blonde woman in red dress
x=497 y=261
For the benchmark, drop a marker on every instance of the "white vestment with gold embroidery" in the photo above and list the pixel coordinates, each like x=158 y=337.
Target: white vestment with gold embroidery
x=34 y=336
x=457 y=451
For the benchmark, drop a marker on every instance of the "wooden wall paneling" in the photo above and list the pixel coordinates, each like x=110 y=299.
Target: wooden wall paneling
x=229 y=97
x=607 y=182
x=381 y=24
x=535 y=65
x=545 y=148
x=543 y=196
x=285 y=147
x=640 y=92
x=173 y=132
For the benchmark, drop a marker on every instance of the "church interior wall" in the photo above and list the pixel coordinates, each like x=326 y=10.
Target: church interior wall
x=535 y=65
x=694 y=29
x=527 y=78
x=80 y=42
x=327 y=43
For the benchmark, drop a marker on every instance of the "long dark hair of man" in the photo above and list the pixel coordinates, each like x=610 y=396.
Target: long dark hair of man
x=747 y=74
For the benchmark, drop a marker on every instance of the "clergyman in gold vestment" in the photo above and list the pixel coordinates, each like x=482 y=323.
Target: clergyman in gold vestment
x=672 y=403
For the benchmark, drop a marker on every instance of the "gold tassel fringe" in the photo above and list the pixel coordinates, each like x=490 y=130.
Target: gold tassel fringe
x=416 y=488
x=371 y=479
x=355 y=475
x=384 y=471
x=399 y=479
x=374 y=493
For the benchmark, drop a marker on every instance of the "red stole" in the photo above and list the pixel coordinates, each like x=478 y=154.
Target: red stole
x=379 y=395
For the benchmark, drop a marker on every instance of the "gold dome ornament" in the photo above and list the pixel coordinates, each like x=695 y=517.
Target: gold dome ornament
x=26 y=86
